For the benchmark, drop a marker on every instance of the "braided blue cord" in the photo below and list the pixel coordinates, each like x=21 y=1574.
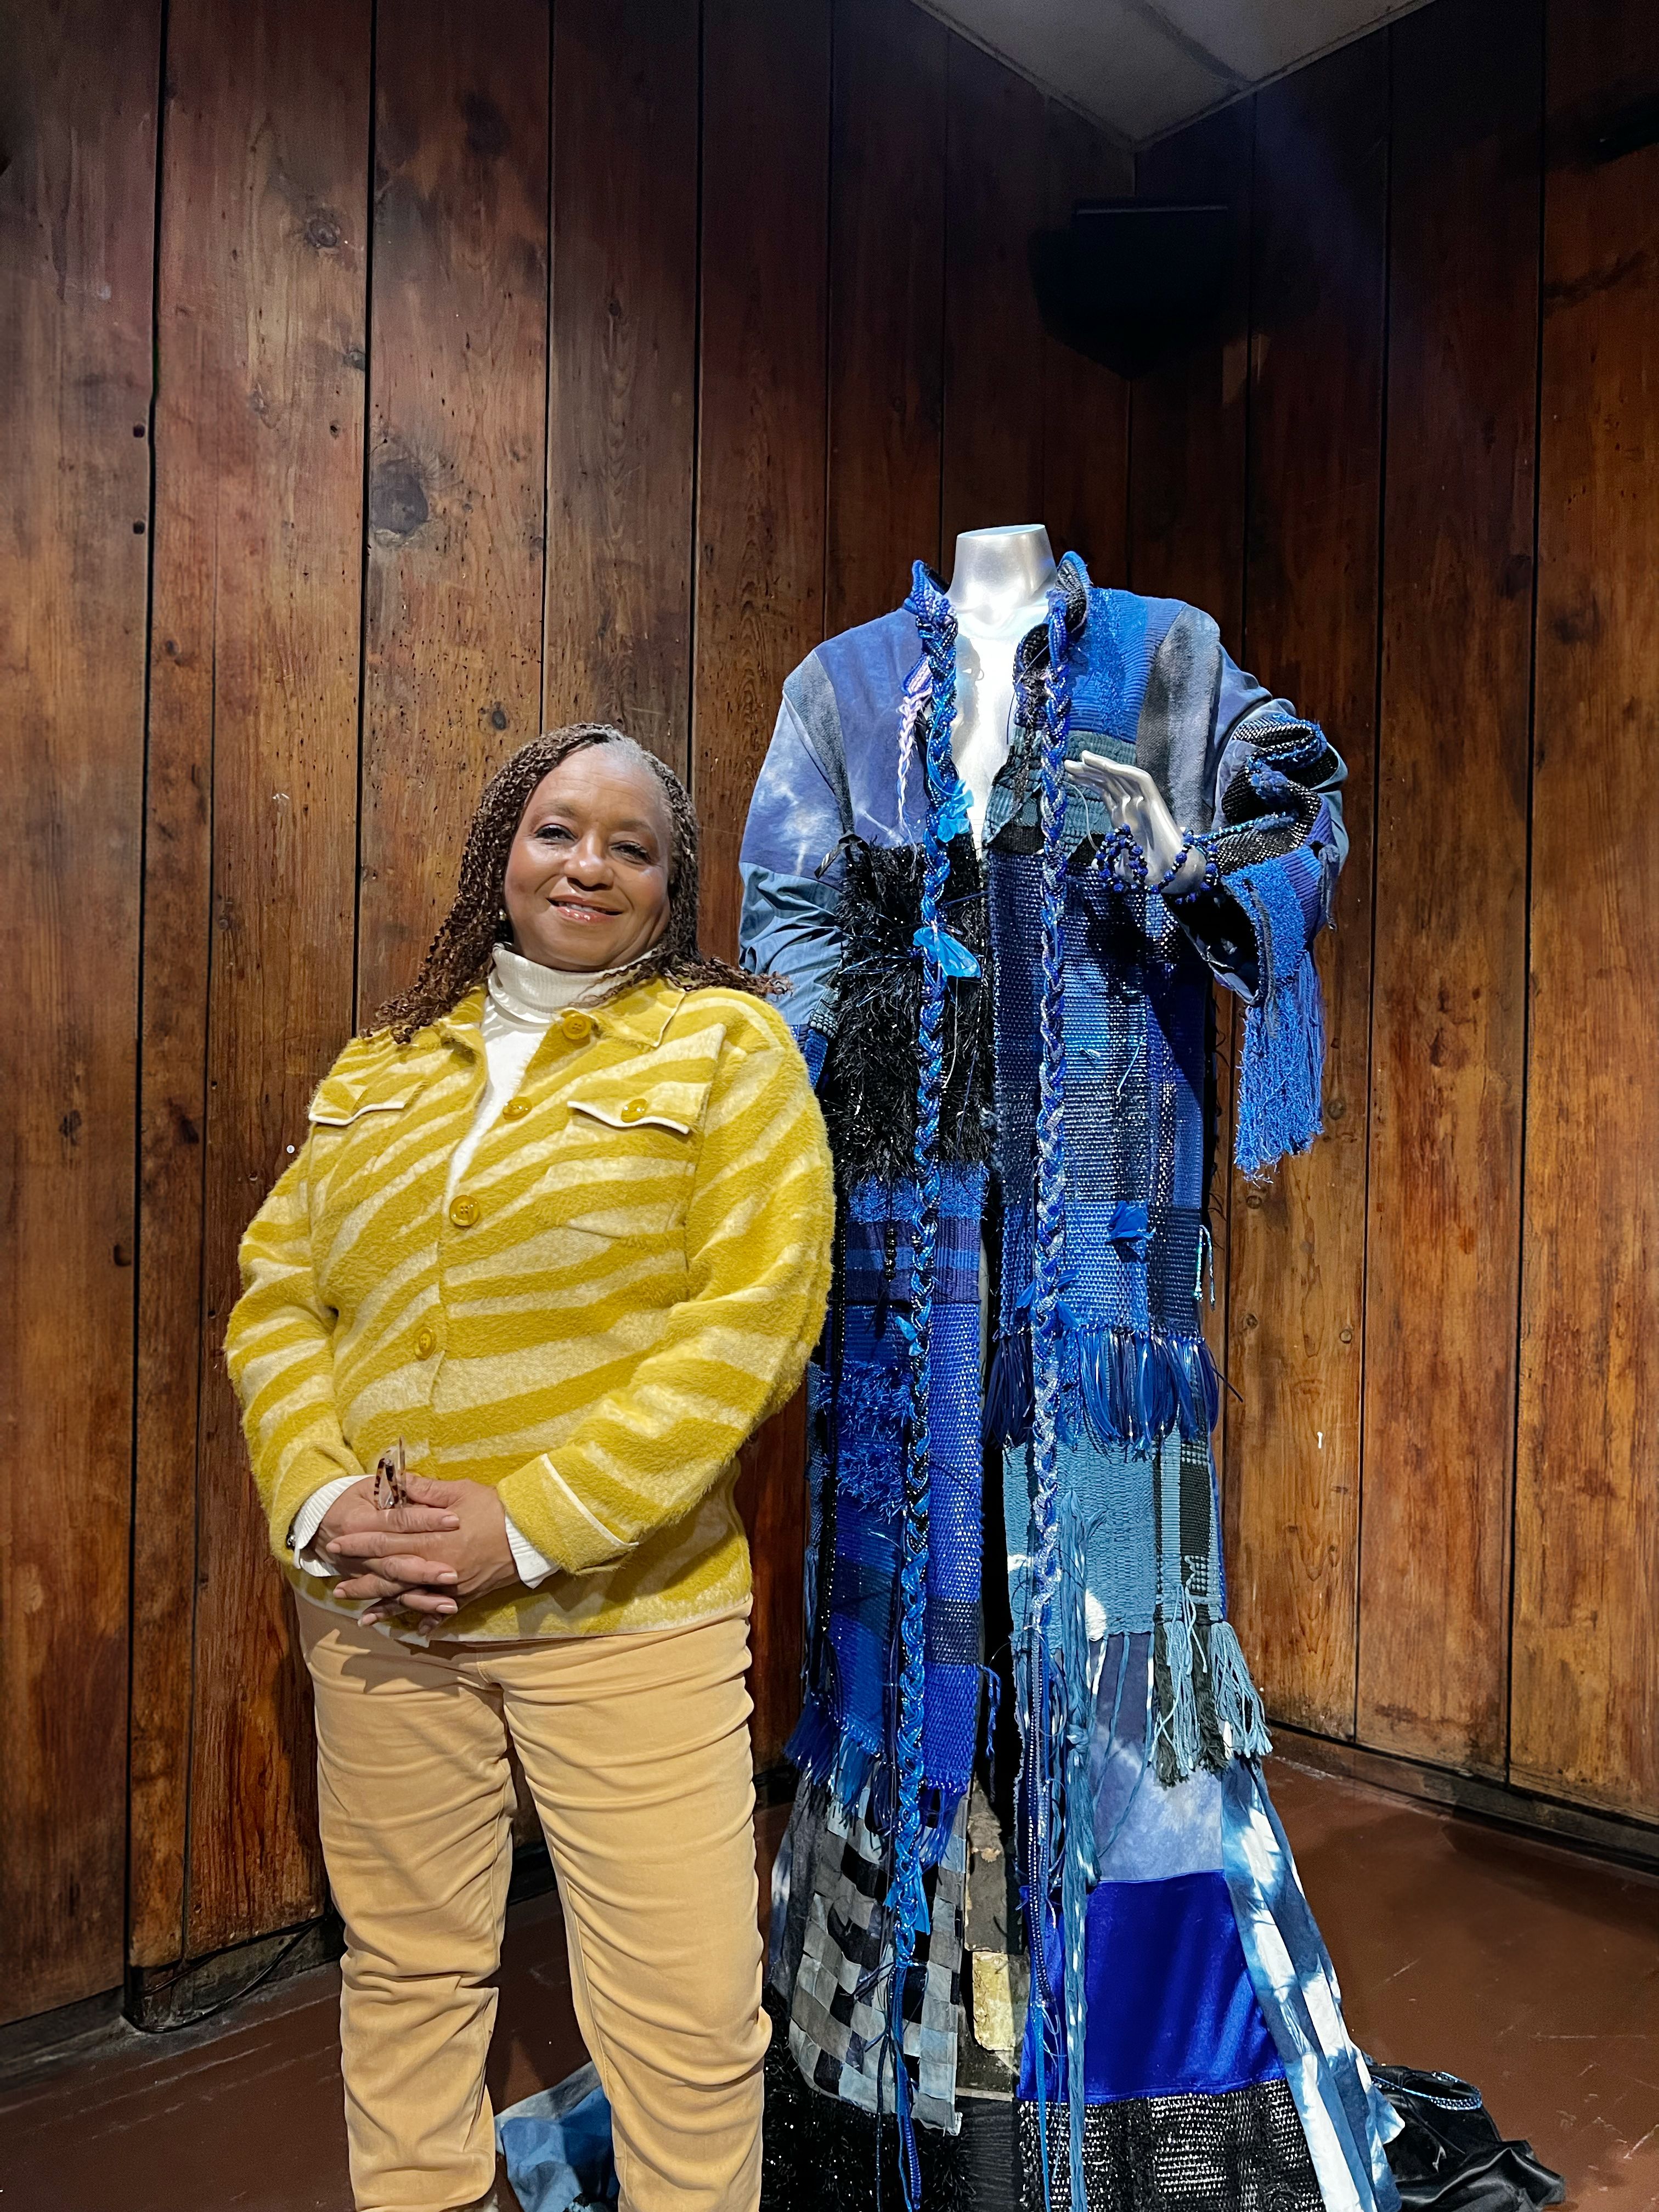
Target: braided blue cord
x=907 y=1900
x=1046 y=1693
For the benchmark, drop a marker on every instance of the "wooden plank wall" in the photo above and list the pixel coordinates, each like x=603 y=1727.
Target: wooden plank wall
x=599 y=372
x=512 y=366
x=77 y=249
x=1426 y=511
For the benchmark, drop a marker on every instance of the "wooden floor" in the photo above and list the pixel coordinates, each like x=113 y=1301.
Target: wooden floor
x=1531 y=1969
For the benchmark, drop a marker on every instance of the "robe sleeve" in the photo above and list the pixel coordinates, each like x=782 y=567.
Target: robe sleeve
x=1277 y=836
x=791 y=877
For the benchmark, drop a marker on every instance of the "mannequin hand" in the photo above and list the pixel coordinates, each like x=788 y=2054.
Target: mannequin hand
x=1137 y=805
x=449 y=1570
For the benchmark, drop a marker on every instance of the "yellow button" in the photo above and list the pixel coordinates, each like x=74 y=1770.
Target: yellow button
x=636 y=1109
x=464 y=1211
x=426 y=1344
x=576 y=1026
x=515 y=1110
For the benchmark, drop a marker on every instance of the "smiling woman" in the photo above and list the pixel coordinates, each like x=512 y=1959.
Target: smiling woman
x=587 y=876
x=560 y=1231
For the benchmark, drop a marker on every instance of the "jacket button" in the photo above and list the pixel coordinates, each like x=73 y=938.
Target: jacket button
x=515 y=1110
x=636 y=1109
x=576 y=1026
x=464 y=1211
x=426 y=1344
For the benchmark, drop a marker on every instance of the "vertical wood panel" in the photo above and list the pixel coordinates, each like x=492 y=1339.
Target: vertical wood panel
x=1085 y=408
x=760 y=581
x=258 y=588
x=1187 y=431
x=77 y=196
x=1297 y=1260
x=1585 y=1715
x=457 y=465
x=886 y=304
x=993 y=339
x=621 y=371
x=1443 y=1252
x=760 y=380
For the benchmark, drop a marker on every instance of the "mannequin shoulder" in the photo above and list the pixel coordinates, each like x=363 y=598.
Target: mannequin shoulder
x=1156 y=618
x=882 y=651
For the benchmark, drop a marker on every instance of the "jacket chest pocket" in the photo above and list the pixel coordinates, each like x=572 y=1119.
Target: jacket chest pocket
x=621 y=1162
x=361 y=1143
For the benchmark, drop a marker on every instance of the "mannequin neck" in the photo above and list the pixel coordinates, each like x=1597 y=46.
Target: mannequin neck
x=1000 y=573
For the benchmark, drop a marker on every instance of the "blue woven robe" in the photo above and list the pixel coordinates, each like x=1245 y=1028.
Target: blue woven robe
x=1175 y=1963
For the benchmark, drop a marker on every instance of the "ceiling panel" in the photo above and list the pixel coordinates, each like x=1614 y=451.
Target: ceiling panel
x=1103 y=56
x=1143 y=67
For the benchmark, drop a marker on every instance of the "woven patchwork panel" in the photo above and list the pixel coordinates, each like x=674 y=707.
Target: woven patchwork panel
x=839 y=2005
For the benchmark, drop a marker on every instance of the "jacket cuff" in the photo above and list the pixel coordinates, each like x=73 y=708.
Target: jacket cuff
x=309 y=1519
x=547 y=1511
x=533 y=1566
x=312 y=1468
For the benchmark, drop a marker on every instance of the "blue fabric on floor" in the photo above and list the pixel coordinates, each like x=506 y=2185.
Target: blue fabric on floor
x=557 y=2146
x=1171 y=2006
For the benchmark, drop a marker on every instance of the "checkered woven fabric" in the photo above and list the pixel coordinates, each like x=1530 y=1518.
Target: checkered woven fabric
x=839 y=2012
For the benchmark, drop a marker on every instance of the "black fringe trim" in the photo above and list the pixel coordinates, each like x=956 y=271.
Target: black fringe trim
x=868 y=1088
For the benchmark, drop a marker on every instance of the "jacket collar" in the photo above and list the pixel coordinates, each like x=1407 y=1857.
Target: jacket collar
x=640 y=1015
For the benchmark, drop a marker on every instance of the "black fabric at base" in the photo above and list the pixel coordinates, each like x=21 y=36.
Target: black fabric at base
x=1449 y=2157
x=1240 y=2150
x=819 y=2155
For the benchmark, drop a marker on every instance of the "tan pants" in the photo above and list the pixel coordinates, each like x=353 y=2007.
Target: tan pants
x=636 y=1751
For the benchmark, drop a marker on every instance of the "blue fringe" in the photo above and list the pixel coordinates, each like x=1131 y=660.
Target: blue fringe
x=1010 y=1396
x=1280 y=1111
x=1237 y=1701
x=1131 y=1388
x=821 y=1752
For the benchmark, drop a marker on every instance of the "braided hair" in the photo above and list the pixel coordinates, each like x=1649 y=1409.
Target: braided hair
x=460 y=955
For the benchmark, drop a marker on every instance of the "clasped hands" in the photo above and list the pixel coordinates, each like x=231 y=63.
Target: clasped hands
x=1137 y=805
x=447 y=1547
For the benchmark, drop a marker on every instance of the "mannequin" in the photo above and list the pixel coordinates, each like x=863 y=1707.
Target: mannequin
x=999 y=592
x=1007 y=1009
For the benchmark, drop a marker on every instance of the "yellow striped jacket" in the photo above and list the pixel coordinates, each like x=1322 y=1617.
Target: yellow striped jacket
x=626 y=1282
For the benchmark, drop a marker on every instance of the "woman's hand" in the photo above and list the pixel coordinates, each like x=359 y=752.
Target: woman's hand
x=353 y=1512
x=444 y=1571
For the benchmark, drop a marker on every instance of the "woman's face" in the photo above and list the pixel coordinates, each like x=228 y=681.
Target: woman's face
x=586 y=881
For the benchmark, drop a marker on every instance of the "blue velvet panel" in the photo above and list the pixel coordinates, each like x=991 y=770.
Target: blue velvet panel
x=1171 y=2006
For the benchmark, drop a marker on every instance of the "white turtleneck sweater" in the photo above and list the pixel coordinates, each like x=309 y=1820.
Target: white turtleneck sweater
x=523 y=999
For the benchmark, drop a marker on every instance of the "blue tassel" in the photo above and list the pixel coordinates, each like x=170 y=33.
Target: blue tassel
x=811 y=1749
x=908 y=1899
x=1008 y=1390
x=1238 y=1701
x=1184 y=1738
x=953 y=818
x=1137 y=1389
x=1130 y=1227
x=1207 y=1384
x=910 y=2166
x=951 y=954
x=821 y=1752
x=1282 y=1072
